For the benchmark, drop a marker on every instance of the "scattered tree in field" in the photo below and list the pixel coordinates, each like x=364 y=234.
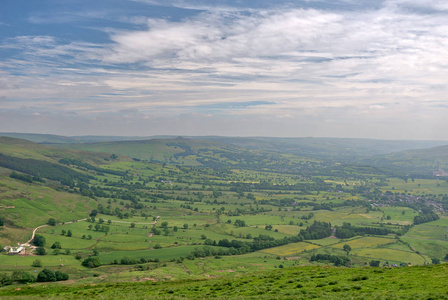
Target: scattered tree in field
x=61 y=276
x=240 y=223
x=91 y=262
x=435 y=261
x=69 y=233
x=38 y=240
x=56 y=245
x=63 y=232
x=46 y=275
x=51 y=222
x=347 y=248
x=5 y=279
x=374 y=263
x=40 y=251
x=37 y=263
x=185 y=226
x=132 y=225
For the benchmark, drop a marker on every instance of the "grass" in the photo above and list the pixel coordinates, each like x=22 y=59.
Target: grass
x=287 y=283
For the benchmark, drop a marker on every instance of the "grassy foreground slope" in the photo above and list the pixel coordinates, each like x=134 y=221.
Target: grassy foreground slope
x=423 y=282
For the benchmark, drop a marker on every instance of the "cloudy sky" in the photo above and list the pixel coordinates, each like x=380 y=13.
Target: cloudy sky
x=323 y=68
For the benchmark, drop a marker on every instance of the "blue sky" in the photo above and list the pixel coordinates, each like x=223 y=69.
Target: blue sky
x=347 y=68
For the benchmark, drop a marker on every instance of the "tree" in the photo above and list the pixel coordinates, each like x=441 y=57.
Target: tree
x=51 y=222
x=37 y=263
x=63 y=232
x=91 y=262
x=69 y=233
x=46 y=275
x=2 y=222
x=164 y=224
x=5 y=279
x=40 y=251
x=39 y=240
x=435 y=261
x=185 y=226
x=132 y=225
x=347 y=248
x=26 y=278
x=374 y=263
x=175 y=228
x=56 y=245
x=61 y=276
x=67 y=251
x=97 y=227
x=90 y=226
x=203 y=236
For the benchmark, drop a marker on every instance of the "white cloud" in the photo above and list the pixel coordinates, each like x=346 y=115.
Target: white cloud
x=328 y=65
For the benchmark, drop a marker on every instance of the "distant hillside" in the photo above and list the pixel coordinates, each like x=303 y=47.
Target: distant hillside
x=59 y=139
x=29 y=150
x=424 y=161
x=325 y=147
x=155 y=149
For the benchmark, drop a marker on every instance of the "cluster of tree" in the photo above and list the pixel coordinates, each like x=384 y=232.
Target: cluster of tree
x=25 y=177
x=347 y=231
x=425 y=218
x=335 y=259
x=126 y=260
x=317 y=230
x=47 y=275
x=16 y=276
x=42 y=169
x=79 y=163
x=236 y=247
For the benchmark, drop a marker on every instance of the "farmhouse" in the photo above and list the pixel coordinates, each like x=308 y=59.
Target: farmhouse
x=14 y=250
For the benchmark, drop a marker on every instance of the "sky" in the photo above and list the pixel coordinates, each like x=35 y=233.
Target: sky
x=284 y=68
